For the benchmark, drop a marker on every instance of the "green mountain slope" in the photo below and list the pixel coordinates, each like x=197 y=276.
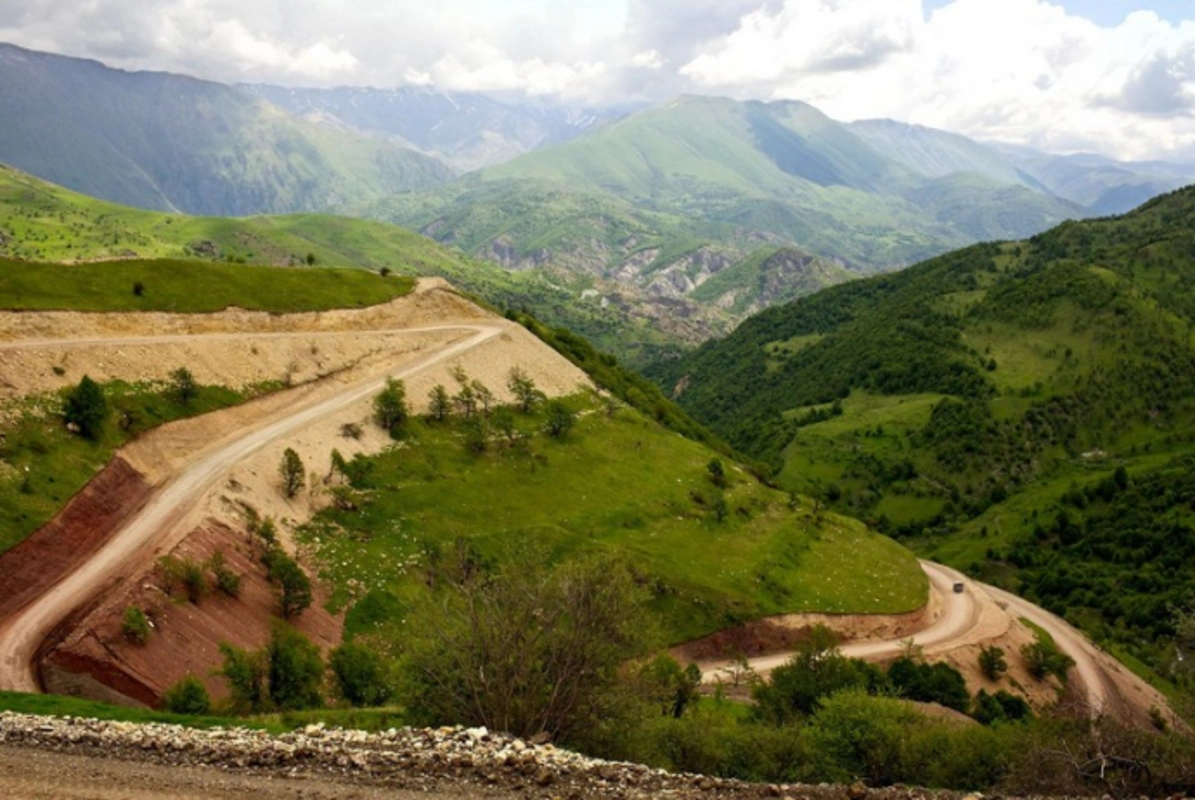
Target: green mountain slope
x=936 y=154
x=999 y=407
x=169 y=142
x=669 y=198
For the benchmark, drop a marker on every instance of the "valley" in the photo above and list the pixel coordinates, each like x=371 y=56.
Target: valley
x=477 y=415
x=990 y=409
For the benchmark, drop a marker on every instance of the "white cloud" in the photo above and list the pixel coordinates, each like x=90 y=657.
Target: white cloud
x=1022 y=71
x=648 y=59
x=1018 y=70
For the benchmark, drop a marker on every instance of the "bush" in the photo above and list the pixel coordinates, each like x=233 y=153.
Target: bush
x=816 y=671
x=188 y=696
x=296 y=669
x=194 y=582
x=561 y=419
x=184 y=386
x=227 y=581
x=925 y=683
x=247 y=673
x=135 y=626
x=86 y=408
x=992 y=662
x=286 y=674
x=294 y=587
x=362 y=676
x=523 y=388
x=390 y=407
x=292 y=472
x=863 y=737
x=549 y=643
x=1043 y=658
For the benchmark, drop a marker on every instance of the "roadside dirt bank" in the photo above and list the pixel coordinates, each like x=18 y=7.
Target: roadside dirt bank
x=73 y=536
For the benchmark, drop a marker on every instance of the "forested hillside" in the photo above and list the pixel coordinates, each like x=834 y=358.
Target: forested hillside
x=1024 y=410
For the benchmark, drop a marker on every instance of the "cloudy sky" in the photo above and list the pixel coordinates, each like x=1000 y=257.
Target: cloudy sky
x=1108 y=76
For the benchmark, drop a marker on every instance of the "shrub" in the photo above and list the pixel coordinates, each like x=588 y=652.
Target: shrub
x=188 y=696
x=439 y=403
x=227 y=581
x=992 y=662
x=816 y=671
x=294 y=587
x=86 y=408
x=549 y=643
x=1043 y=658
x=390 y=407
x=937 y=683
x=523 y=388
x=135 y=626
x=138 y=289
x=296 y=669
x=184 y=386
x=246 y=673
x=193 y=579
x=291 y=470
x=561 y=419
x=362 y=676
x=863 y=737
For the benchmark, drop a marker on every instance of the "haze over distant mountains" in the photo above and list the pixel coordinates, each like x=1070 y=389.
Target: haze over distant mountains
x=703 y=207
x=467 y=130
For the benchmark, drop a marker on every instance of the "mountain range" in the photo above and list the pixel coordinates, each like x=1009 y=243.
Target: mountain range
x=694 y=213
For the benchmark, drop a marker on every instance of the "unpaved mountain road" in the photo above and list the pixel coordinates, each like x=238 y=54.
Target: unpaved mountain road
x=980 y=613
x=161 y=522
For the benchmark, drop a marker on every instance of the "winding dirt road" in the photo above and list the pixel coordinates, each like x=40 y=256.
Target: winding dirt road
x=969 y=617
x=160 y=523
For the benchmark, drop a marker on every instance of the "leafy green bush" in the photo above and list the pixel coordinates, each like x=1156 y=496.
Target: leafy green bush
x=992 y=662
x=296 y=669
x=816 y=671
x=134 y=625
x=549 y=643
x=86 y=408
x=926 y=683
x=362 y=676
x=188 y=696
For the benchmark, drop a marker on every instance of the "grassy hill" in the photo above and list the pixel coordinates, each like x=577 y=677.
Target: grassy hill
x=996 y=408
x=621 y=484
x=169 y=142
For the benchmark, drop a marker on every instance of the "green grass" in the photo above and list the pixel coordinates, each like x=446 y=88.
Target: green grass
x=620 y=485
x=190 y=287
x=367 y=719
x=59 y=706
x=42 y=465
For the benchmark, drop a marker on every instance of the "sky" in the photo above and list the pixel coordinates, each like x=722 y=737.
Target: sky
x=1103 y=76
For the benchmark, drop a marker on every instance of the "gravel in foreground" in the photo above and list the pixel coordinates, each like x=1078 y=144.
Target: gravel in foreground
x=464 y=762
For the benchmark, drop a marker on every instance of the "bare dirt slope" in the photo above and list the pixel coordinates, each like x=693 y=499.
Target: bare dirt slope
x=205 y=470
